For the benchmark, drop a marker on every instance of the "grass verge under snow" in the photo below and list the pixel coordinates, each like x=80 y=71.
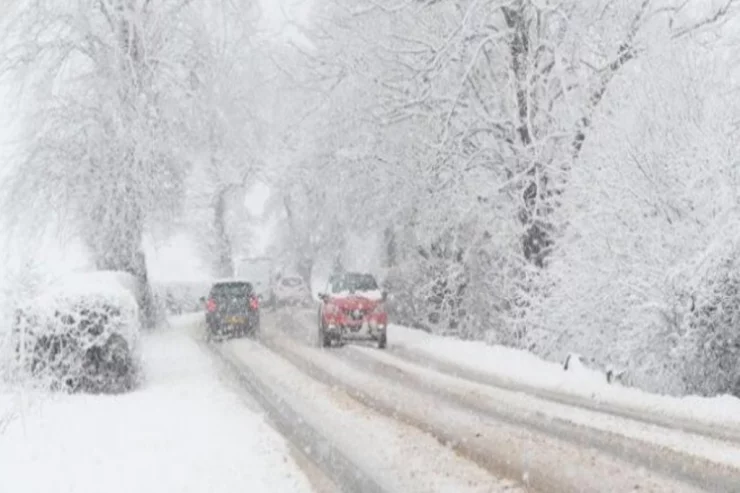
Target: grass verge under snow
x=524 y=368
x=182 y=431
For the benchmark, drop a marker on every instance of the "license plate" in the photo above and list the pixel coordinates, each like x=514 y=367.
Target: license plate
x=235 y=320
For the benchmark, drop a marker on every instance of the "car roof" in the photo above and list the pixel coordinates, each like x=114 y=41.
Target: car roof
x=341 y=275
x=230 y=282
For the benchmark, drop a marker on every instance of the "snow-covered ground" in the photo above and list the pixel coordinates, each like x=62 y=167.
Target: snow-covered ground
x=514 y=434
x=182 y=431
x=399 y=457
x=524 y=368
x=524 y=407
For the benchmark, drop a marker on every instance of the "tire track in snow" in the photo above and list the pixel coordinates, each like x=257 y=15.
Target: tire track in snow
x=289 y=423
x=297 y=322
x=540 y=461
x=401 y=458
x=669 y=452
x=725 y=433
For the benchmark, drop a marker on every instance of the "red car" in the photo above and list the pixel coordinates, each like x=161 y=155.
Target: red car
x=352 y=308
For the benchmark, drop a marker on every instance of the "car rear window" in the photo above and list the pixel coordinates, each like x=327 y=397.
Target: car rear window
x=354 y=282
x=232 y=290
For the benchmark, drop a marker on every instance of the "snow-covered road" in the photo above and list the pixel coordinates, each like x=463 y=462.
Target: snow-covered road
x=184 y=431
x=393 y=456
x=576 y=444
x=210 y=416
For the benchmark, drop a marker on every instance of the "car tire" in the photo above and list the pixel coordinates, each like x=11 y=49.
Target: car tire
x=382 y=340
x=324 y=339
x=213 y=331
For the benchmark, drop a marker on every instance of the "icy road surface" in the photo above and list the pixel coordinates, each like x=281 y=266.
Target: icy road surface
x=566 y=448
x=183 y=431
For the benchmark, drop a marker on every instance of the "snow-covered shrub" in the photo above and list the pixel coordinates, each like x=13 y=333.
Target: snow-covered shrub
x=404 y=307
x=430 y=297
x=21 y=281
x=710 y=325
x=80 y=334
x=651 y=202
x=594 y=371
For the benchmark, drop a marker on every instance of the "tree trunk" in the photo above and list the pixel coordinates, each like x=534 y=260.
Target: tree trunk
x=115 y=237
x=540 y=190
x=223 y=254
x=305 y=262
x=305 y=270
x=391 y=248
x=126 y=255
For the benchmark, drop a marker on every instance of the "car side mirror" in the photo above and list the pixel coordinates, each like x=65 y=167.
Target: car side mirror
x=323 y=297
x=202 y=299
x=384 y=295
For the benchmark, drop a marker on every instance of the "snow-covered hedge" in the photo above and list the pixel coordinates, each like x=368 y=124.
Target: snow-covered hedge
x=645 y=276
x=709 y=321
x=80 y=334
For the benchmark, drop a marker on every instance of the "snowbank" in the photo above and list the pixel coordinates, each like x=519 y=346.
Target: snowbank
x=183 y=431
x=525 y=369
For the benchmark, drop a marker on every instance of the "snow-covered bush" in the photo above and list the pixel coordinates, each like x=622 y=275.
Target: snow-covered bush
x=80 y=334
x=710 y=325
x=651 y=226
x=21 y=280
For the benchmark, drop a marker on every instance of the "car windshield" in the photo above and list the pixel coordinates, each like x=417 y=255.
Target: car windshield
x=354 y=282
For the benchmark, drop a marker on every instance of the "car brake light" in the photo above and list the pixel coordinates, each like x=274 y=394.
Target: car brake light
x=211 y=305
x=254 y=303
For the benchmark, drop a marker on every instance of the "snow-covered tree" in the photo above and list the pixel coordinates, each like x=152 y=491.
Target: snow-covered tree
x=644 y=277
x=227 y=85
x=478 y=114
x=106 y=131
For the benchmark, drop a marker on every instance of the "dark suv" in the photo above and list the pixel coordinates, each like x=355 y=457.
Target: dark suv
x=232 y=308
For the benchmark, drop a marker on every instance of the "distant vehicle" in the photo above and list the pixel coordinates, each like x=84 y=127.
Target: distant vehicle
x=352 y=308
x=260 y=272
x=292 y=291
x=81 y=333
x=232 y=309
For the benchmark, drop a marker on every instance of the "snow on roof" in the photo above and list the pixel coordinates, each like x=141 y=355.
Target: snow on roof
x=231 y=280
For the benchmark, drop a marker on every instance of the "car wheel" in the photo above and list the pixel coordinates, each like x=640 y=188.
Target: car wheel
x=254 y=331
x=211 y=332
x=324 y=339
x=382 y=341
